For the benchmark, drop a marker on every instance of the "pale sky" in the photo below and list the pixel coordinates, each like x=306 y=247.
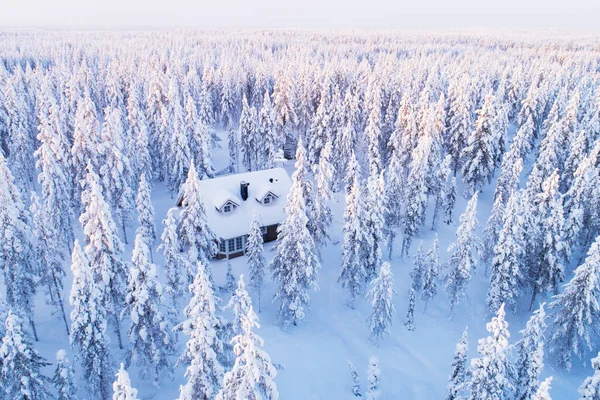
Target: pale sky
x=576 y=15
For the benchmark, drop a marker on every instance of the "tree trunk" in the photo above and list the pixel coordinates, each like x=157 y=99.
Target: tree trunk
x=118 y=332
x=60 y=302
x=33 y=330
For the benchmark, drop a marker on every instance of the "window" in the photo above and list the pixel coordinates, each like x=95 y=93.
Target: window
x=222 y=246
x=227 y=208
x=267 y=200
x=239 y=243
x=231 y=245
x=263 y=230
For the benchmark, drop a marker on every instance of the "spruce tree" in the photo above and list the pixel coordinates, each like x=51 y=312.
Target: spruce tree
x=195 y=235
x=353 y=275
x=459 y=376
x=149 y=332
x=480 y=153
x=20 y=364
x=175 y=268
x=324 y=195
x=373 y=377
x=103 y=249
x=382 y=310
x=248 y=136
x=530 y=355
x=492 y=230
x=64 y=378
x=464 y=250
x=145 y=210
x=204 y=372
x=355 y=381
x=256 y=259
x=88 y=325
x=239 y=303
x=295 y=264
x=590 y=389
x=574 y=311
x=229 y=279
x=17 y=252
x=450 y=201
x=122 y=386
x=491 y=372
x=409 y=322
x=506 y=276
x=419 y=269
x=543 y=392
x=253 y=374
x=432 y=270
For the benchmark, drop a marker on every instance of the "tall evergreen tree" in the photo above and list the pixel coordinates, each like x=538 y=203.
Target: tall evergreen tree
x=195 y=235
x=322 y=211
x=373 y=223
x=530 y=355
x=122 y=386
x=430 y=276
x=506 y=279
x=409 y=322
x=295 y=264
x=464 y=250
x=20 y=365
x=64 y=378
x=492 y=230
x=149 y=331
x=248 y=136
x=256 y=259
x=253 y=374
x=17 y=252
x=382 y=310
x=145 y=210
x=491 y=372
x=373 y=377
x=574 y=311
x=459 y=376
x=103 y=249
x=543 y=392
x=175 y=267
x=204 y=372
x=88 y=326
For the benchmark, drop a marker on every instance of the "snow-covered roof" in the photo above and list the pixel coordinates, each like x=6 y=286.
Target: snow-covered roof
x=218 y=191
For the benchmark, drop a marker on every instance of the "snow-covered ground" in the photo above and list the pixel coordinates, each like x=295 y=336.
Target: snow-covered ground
x=414 y=365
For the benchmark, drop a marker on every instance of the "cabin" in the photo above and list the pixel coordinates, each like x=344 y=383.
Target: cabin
x=231 y=201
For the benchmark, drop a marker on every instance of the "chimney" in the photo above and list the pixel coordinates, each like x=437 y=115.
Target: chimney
x=244 y=190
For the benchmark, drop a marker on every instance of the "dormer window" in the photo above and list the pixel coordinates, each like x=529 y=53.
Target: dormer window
x=267 y=200
x=227 y=208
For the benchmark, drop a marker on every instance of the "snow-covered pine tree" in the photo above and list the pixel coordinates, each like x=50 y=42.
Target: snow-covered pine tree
x=295 y=264
x=373 y=222
x=253 y=374
x=256 y=260
x=450 y=201
x=88 y=326
x=233 y=144
x=416 y=192
x=175 y=269
x=64 y=378
x=149 y=331
x=179 y=154
x=442 y=194
x=530 y=355
x=459 y=121
x=302 y=174
x=419 y=269
x=355 y=380
x=510 y=171
x=322 y=211
x=53 y=159
x=543 y=392
x=103 y=250
x=590 y=389
x=491 y=372
x=248 y=136
x=114 y=168
x=373 y=377
x=549 y=272
x=122 y=389
x=319 y=130
x=431 y=272
x=575 y=309
x=50 y=259
x=230 y=283
x=239 y=303
x=266 y=130
x=17 y=252
x=145 y=210
x=409 y=322
x=459 y=376
x=480 y=153
x=380 y=296
x=464 y=251
x=20 y=365
x=492 y=230
x=195 y=235
x=204 y=372
x=506 y=278
x=353 y=276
